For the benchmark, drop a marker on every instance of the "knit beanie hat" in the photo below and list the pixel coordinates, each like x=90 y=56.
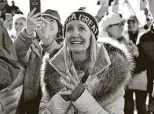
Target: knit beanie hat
x=86 y=18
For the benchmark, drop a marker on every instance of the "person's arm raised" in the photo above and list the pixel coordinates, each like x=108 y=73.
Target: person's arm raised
x=26 y=36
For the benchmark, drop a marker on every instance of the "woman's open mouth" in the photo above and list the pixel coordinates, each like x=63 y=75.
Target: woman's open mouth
x=76 y=42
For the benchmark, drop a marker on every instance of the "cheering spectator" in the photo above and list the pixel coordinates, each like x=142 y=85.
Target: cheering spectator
x=85 y=77
x=30 y=45
x=112 y=26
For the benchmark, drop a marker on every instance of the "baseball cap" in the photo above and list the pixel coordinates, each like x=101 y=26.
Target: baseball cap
x=52 y=13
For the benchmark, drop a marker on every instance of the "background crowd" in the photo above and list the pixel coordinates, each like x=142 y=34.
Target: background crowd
x=44 y=71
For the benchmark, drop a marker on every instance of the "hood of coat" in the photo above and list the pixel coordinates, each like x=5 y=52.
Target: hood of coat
x=62 y=60
x=113 y=71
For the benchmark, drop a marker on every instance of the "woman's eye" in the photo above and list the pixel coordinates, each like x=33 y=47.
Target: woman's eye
x=81 y=28
x=16 y=23
x=51 y=20
x=69 y=29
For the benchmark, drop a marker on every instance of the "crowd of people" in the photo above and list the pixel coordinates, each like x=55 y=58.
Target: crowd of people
x=12 y=18
x=86 y=65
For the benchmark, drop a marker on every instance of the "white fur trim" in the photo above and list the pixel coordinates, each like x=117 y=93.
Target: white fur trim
x=121 y=46
x=42 y=73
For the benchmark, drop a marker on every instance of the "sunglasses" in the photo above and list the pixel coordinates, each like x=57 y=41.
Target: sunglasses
x=121 y=24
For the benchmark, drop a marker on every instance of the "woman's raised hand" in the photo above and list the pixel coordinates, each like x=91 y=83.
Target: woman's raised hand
x=73 y=85
x=37 y=23
x=32 y=21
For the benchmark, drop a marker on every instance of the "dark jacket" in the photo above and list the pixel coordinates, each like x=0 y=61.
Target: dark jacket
x=146 y=56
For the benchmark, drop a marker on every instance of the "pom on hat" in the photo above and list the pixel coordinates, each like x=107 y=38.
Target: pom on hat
x=86 y=18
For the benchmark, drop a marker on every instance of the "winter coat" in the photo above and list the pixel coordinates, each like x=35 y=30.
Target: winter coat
x=104 y=87
x=7 y=107
x=28 y=50
x=146 y=58
x=9 y=69
x=29 y=53
x=9 y=65
x=139 y=80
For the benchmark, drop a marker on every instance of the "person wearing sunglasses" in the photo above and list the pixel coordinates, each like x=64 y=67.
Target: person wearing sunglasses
x=112 y=26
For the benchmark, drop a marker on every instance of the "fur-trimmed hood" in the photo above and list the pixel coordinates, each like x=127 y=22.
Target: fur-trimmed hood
x=111 y=72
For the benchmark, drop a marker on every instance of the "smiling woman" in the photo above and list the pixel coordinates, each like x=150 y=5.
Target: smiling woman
x=78 y=36
x=85 y=76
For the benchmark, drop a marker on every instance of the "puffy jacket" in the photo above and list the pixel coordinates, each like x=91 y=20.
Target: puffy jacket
x=104 y=87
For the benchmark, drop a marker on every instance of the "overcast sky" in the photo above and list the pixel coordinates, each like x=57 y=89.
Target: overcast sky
x=65 y=7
